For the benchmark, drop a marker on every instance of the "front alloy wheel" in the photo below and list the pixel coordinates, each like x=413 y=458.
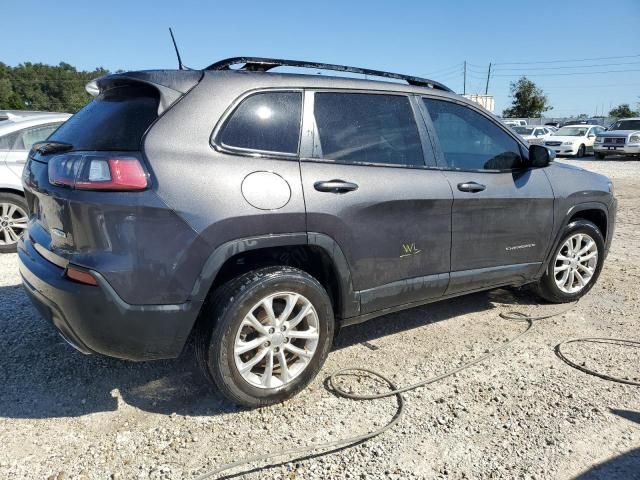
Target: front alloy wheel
x=576 y=263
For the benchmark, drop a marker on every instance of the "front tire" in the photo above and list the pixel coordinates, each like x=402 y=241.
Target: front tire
x=575 y=265
x=264 y=335
x=581 y=151
x=13 y=221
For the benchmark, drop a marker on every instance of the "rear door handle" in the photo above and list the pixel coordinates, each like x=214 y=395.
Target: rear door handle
x=335 y=186
x=472 y=187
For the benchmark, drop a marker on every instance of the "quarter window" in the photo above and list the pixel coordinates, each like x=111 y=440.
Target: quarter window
x=268 y=121
x=366 y=128
x=7 y=141
x=469 y=141
x=31 y=135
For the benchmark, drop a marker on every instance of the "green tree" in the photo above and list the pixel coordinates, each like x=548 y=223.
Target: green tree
x=36 y=86
x=622 y=111
x=528 y=100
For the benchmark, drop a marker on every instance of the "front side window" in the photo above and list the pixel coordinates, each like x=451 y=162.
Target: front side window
x=366 y=128
x=469 y=141
x=267 y=122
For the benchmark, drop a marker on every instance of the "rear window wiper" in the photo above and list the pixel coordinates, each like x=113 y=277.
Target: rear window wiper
x=50 y=146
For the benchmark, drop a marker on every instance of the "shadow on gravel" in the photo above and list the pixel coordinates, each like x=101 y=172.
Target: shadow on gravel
x=630 y=415
x=432 y=313
x=43 y=377
x=622 y=467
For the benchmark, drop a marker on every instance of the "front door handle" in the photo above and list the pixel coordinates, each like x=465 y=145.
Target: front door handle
x=472 y=187
x=335 y=186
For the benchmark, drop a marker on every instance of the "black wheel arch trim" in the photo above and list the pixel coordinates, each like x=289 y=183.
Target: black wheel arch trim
x=349 y=299
x=562 y=225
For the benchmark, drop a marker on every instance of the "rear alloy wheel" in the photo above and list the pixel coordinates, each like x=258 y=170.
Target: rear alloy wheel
x=575 y=265
x=581 y=150
x=263 y=336
x=276 y=340
x=13 y=221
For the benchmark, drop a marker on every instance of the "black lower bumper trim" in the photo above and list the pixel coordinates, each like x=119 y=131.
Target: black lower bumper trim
x=94 y=319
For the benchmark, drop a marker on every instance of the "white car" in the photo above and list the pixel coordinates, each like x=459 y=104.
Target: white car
x=515 y=123
x=17 y=134
x=533 y=135
x=574 y=139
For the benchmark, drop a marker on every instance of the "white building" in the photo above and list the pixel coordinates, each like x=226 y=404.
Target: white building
x=487 y=101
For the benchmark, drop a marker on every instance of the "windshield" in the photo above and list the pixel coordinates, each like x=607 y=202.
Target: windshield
x=571 y=132
x=626 y=125
x=523 y=130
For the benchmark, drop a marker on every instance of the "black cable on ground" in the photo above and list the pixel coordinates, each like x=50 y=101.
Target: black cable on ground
x=609 y=341
x=303 y=453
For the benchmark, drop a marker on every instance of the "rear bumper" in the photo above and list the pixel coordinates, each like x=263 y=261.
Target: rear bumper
x=94 y=319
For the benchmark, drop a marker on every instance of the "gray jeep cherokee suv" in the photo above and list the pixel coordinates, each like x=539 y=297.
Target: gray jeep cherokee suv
x=262 y=210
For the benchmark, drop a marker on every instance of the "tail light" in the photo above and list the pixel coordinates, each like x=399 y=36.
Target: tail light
x=99 y=171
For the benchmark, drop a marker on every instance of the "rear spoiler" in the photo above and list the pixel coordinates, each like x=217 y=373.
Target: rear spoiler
x=171 y=84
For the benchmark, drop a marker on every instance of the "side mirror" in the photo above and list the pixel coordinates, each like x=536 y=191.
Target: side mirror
x=540 y=156
x=591 y=135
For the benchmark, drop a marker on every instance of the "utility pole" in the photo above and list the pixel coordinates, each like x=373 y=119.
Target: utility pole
x=464 y=85
x=486 y=89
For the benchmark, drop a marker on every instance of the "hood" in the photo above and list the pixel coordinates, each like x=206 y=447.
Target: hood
x=562 y=138
x=618 y=133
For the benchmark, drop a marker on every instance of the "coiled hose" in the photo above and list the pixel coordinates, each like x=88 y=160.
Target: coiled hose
x=320 y=449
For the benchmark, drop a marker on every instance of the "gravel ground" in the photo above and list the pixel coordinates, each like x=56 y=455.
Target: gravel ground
x=522 y=414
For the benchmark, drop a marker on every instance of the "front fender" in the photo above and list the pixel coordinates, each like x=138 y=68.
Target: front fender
x=607 y=210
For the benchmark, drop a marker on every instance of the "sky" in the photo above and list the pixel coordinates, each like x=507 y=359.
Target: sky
x=563 y=46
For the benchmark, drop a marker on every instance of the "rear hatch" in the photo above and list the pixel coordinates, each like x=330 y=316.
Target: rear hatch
x=89 y=180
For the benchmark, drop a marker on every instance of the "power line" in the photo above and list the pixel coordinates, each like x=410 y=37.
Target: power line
x=569 y=60
x=456 y=67
x=569 y=66
x=564 y=74
x=595 y=86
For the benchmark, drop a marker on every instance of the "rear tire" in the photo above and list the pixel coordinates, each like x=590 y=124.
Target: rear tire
x=256 y=377
x=599 y=156
x=560 y=283
x=13 y=221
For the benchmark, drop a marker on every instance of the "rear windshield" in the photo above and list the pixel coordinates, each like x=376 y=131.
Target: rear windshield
x=115 y=120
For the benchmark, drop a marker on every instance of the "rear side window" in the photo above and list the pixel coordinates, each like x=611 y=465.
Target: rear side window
x=368 y=128
x=116 y=120
x=31 y=135
x=7 y=141
x=469 y=141
x=267 y=122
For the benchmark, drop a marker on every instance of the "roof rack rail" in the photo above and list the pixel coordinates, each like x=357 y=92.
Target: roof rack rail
x=258 y=64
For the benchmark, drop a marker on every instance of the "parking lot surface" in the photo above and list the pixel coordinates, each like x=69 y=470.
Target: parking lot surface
x=522 y=414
